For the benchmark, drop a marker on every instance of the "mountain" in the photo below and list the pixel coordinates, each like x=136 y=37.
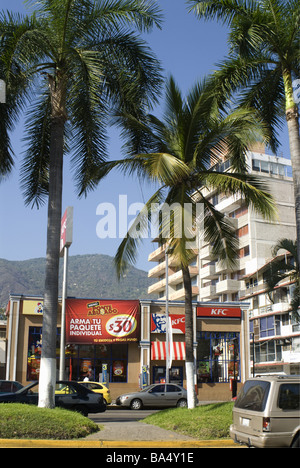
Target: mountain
x=91 y=276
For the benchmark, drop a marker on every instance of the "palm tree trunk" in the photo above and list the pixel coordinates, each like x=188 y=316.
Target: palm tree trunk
x=48 y=358
x=189 y=337
x=294 y=141
x=291 y=114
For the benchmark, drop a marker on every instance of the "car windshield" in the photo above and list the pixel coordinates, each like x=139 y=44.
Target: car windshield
x=253 y=396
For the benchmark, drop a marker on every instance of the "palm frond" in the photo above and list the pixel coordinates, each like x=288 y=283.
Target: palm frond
x=127 y=250
x=89 y=118
x=253 y=190
x=34 y=172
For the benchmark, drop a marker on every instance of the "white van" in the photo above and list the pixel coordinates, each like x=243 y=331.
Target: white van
x=267 y=412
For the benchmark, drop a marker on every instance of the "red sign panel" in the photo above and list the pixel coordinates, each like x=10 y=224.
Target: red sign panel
x=218 y=312
x=98 y=321
x=158 y=323
x=66 y=231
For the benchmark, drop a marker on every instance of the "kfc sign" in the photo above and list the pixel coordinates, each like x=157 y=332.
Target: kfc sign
x=219 y=312
x=159 y=321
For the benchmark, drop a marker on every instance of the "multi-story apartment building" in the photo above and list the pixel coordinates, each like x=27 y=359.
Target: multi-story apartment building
x=211 y=279
x=274 y=331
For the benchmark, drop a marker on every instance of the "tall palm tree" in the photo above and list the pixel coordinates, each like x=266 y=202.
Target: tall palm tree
x=181 y=153
x=264 y=61
x=283 y=268
x=68 y=65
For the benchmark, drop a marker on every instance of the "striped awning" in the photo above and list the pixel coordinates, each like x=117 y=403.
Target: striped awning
x=158 y=351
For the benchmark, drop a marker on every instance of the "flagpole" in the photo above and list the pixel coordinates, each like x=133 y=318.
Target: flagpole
x=167 y=316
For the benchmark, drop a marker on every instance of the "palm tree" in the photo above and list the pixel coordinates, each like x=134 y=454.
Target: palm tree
x=68 y=65
x=263 y=63
x=283 y=268
x=181 y=153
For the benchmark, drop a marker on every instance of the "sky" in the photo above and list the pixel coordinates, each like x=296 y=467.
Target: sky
x=189 y=49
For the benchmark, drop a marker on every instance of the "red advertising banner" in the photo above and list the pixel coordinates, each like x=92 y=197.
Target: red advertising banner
x=100 y=321
x=218 y=312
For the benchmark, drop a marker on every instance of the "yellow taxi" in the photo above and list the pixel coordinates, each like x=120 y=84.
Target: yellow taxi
x=98 y=388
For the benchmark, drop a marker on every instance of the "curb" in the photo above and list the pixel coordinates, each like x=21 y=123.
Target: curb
x=33 y=443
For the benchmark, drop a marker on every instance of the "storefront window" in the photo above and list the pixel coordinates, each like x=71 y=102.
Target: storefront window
x=35 y=340
x=217 y=357
x=175 y=375
x=93 y=361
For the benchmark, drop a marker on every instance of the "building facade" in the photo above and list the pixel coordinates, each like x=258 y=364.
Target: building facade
x=123 y=343
x=274 y=331
x=213 y=281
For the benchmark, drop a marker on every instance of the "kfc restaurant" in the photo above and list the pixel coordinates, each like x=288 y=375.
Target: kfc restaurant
x=123 y=343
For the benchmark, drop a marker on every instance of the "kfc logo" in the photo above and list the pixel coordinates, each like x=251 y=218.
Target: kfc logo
x=219 y=312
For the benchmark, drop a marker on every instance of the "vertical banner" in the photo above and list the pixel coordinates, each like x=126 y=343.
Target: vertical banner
x=102 y=321
x=66 y=230
x=170 y=344
x=104 y=374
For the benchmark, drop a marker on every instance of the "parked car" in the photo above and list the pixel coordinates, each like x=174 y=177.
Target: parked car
x=98 y=388
x=68 y=395
x=157 y=395
x=9 y=386
x=267 y=412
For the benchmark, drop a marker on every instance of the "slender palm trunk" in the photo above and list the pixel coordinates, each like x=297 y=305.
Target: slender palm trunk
x=48 y=358
x=189 y=337
x=294 y=141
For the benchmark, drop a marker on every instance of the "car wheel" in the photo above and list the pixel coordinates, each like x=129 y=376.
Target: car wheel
x=296 y=442
x=82 y=410
x=136 y=404
x=181 y=403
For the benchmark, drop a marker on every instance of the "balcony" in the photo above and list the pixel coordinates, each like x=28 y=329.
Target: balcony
x=158 y=270
x=157 y=254
x=208 y=292
x=157 y=287
x=228 y=286
x=230 y=203
x=209 y=272
x=206 y=253
x=180 y=294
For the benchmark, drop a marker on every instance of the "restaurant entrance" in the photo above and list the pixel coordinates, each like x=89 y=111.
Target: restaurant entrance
x=175 y=374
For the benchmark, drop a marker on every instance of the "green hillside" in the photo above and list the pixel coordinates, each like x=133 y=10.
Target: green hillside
x=88 y=276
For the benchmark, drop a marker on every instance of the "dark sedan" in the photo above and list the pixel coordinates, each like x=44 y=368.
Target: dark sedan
x=68 y=395
x=9 y=386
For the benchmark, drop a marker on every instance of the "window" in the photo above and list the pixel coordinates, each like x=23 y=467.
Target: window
x=268 y=351
x=243 y=231
x=267 y=326
x=289 y=397
x=217 y=356
x=88 y=360
x=173 y=388
x=253 y=395
x=255 y=165
x=35 y=349
x=158 y=389
x=244 y=252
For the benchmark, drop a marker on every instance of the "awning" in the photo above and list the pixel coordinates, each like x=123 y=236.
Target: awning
x=158 y=351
